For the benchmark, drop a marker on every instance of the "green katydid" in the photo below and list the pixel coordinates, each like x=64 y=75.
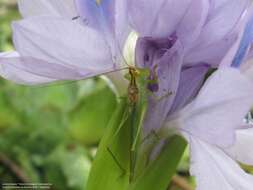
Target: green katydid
x=139 y=79
x=136 y=110
x=129 y=170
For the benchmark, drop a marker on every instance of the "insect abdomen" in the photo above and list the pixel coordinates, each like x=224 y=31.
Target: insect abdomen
x=133 y=94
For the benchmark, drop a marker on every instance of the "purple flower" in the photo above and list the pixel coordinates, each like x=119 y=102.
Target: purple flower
x=213 y=125
x=209 y=116
x=179 y=41
x=180 y=45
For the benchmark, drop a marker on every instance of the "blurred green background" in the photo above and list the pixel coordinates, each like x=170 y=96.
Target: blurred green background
x=49 y=134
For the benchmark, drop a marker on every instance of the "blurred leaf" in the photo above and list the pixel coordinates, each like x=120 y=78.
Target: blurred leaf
x=87 y=122
x=8 y=118
x=8 y=12
x=71 y=165
x=27 y=166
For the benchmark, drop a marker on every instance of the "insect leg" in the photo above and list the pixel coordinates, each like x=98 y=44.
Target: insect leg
x=160 y=98
x=117 y=162
x=153 y=133
x=124 y=119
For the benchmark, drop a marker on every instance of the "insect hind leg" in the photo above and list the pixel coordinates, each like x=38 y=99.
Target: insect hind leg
x=121 y=125
x=123 y=170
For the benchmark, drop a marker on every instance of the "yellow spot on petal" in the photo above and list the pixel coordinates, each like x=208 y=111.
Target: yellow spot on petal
x=98 y=2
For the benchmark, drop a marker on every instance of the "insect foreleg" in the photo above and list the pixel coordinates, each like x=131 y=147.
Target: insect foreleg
x=160 y=98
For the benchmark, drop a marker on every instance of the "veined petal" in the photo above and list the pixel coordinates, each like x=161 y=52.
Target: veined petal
x=157 y=18
x=16 y=75
x=213 y=54
x=190 y=82
x=237 y=51
x=214 y=169
x=242 y=149
x=62 y=8
x=217 y=4
x=219 y=108
x=62 y=42
x=169 y=69
x=247 y=69
x=222 y=20
x=33 y=71
x=193 y=21
x=109 y=18
x=97 y=13
x=219 y=32
x=122 y=28
x=230 y=55
x=55 y=49
x=245 y=43
x=242 y=45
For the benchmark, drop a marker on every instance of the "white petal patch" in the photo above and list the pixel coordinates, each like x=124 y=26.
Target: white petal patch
x=215 y=170
x=220 y=31
x=219 y=108
x=191 y=25
x=33 y=71
x=242 y=150
x=157 y=18
x=62 y=8
x=17 y=75
x=62 y=42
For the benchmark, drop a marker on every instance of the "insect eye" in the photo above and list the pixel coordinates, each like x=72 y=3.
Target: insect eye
x=136 y=72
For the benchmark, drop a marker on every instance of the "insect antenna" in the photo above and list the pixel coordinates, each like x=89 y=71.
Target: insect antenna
x=66 y=82
x=122 y=55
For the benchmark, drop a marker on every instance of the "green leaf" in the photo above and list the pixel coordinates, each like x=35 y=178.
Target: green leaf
x=159 y=173
x=106 y=173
